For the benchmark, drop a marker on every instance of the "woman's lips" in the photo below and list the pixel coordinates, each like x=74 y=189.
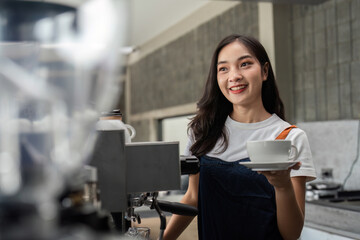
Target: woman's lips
x=238 y=89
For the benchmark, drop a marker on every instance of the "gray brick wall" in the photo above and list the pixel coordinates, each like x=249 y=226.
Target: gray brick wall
x=326 y=49
x=142 y=130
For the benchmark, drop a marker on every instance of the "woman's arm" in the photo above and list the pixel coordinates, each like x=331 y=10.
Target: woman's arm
x=178 y=223
x=290 y=205
x=290 y=202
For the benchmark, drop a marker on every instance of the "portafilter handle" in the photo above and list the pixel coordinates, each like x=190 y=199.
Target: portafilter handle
x=178 y=208
x=174 y=207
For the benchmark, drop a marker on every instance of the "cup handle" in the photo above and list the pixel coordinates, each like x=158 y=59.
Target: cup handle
x=292 y=158
x=132 y=130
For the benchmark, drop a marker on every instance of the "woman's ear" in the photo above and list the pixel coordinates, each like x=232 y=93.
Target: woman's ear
x=265 y=71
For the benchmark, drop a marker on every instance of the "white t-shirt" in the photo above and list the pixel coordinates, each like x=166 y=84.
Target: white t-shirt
x=239 y=133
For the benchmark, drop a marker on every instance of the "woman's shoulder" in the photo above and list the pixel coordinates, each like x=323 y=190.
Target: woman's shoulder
x=279 y=125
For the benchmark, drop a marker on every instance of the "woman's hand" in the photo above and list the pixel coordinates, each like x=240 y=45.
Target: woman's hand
x=280 y=178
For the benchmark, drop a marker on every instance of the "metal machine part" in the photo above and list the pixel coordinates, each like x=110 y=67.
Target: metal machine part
x=150 y=199
x=152 y=166
x=323 y=189
x=133 y=168
x=131 y=175
x=109 y=159
x=91 y=193
x=189 y=165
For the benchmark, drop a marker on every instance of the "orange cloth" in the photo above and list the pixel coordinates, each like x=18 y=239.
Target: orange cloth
x=285 y=132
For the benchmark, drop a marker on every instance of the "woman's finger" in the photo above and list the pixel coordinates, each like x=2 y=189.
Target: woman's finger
x=296 y=166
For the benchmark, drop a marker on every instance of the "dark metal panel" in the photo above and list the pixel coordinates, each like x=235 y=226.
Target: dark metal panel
x=109 y=159
x=153 y=166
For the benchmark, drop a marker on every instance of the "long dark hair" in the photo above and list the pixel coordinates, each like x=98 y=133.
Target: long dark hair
x=213 y=108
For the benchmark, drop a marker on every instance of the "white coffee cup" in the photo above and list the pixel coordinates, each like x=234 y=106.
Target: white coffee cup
x=112 y=124
x=271 y=151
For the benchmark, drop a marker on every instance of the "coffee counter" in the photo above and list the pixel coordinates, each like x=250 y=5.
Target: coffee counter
x=334 y=218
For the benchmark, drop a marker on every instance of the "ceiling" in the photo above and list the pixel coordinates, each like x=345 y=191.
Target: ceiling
x=148 y=18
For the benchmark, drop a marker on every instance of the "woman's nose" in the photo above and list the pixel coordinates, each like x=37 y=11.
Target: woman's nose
x=235 y=75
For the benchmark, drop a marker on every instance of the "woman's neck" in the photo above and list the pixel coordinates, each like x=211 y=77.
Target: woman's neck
x=249 y=115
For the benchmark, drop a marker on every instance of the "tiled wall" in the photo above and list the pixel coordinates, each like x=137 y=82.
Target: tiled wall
x=326 y=75
x=326 y=60
x=335 y=145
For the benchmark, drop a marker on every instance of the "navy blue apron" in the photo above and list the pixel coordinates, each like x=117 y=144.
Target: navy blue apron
x=235 y=202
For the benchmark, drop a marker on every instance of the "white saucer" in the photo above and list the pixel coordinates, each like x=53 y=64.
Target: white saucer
x=274 y=166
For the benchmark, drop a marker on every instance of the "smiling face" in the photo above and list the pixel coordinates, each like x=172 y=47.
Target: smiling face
x=240 y=76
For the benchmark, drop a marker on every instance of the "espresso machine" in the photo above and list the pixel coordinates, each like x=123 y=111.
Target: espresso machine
x=130 y=175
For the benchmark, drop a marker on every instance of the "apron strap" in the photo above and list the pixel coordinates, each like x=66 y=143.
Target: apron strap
x=285 y=132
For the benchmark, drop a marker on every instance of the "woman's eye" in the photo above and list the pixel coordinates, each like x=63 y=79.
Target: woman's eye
x=222 y=69
x=244 y=64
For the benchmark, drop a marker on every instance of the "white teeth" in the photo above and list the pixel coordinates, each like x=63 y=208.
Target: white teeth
x=237 y=88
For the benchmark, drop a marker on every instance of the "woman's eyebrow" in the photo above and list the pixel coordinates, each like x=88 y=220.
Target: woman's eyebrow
x=245 y=56
x=240 y=58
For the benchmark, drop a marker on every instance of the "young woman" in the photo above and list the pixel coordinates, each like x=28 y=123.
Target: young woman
x=241 y=103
